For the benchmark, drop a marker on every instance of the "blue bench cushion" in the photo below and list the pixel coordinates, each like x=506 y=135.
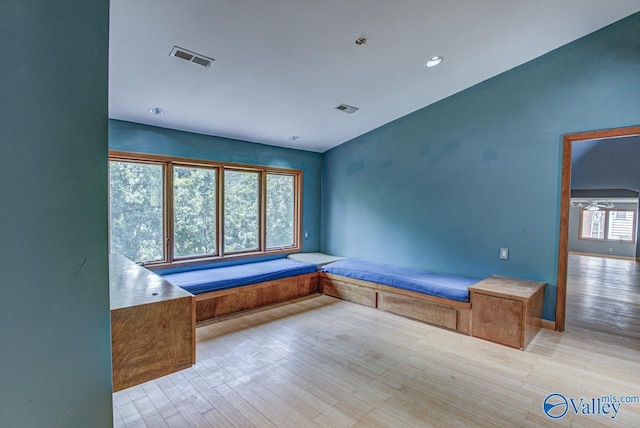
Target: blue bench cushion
x=214 y=279
x=436 y=284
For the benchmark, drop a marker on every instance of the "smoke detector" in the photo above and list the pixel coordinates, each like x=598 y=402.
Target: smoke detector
x=191 y=56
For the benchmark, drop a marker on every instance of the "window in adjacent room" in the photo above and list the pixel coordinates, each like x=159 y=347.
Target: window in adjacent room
x=608 y=225
x=592 y=224
x=621 y=226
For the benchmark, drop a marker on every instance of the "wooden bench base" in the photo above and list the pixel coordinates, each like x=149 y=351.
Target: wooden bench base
x=519 y=305
x=442 y=312
x=152 y=325
x=224 y=302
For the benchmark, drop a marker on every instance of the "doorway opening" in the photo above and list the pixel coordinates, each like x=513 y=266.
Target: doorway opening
x=565 y=202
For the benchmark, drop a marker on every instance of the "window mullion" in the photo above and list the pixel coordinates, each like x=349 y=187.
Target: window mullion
x=220 y=214
x=262 y=192
x=297 y=219
x=168 y=211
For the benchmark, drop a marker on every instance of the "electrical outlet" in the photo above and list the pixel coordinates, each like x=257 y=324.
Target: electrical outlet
x=504 y=254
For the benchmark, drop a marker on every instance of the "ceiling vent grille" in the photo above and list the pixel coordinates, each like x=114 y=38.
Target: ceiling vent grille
x=191 y=56
x=347 y=109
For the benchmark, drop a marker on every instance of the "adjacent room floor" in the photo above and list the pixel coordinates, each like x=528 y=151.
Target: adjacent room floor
x=328 y=363
x=603 y=297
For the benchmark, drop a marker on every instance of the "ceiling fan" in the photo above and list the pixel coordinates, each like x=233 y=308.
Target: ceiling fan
x=592 y=205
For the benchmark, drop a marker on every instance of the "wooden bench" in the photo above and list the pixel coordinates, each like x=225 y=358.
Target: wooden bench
x=503 y=310
x=221 y=291
x=447 y=313
x=224 y=302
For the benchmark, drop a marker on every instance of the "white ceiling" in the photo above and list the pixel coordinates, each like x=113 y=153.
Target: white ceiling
x=282 y=66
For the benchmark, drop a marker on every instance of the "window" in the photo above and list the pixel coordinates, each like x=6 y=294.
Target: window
x=621 y=226
x=280 y=210
x=608 y=225
x=136 y=215
x=592 y=224
x=194 y=211
x=167 y=211
x=241 y=211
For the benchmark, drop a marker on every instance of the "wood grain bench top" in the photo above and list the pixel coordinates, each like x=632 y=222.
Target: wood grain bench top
x=132 y=285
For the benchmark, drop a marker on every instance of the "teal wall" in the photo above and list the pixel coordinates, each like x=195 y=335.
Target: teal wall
x=133 y=137
x=445 y=187
x=55 y=356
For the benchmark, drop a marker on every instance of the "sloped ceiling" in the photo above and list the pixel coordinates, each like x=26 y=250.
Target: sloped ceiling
x=282 y=66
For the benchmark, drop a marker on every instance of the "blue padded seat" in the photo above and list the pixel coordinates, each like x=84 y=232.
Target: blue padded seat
x=436 y=284
x=222 y=278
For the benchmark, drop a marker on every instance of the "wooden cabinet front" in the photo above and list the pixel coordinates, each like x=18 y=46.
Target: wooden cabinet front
x=506 y=310
x=497 y=319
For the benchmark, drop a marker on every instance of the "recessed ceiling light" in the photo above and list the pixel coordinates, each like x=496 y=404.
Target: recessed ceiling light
x=433 y=61
x=156 y=110
x=294 y=138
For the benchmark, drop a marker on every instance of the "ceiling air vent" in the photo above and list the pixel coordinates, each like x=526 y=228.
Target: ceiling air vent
x=347 y=109
x=191 y=57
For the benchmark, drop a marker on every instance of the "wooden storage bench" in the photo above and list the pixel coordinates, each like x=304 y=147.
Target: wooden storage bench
x=507 y=310
x=226 y=290
x=224 y=302
x=433 y=309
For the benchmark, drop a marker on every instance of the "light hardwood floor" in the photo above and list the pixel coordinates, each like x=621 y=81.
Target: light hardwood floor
x=328 y=363
x=603 y=297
